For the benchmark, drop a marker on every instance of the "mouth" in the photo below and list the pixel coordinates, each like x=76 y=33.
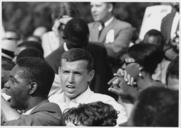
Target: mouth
x=70 y=86
x=6 y=96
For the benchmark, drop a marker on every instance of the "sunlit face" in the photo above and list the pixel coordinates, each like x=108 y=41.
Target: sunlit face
x=75 y=77
x=17 y=88
x=101 y=11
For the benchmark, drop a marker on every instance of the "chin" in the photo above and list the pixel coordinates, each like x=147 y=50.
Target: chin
x=70 y=96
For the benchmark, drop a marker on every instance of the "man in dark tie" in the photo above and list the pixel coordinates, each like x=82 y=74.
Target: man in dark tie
x=114 y=34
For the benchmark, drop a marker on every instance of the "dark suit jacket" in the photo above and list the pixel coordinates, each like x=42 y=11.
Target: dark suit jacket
x=121 y=32
x=45 y=114
x=103 y=72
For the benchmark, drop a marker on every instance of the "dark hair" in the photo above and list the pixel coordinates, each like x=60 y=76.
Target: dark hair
x=31 y=44
x=147 y=55
x=76 y=33
x=156 y=106
x=75 y=54
x=173 y=69
x=157 y=34
x=30 y=52
x=92 y=114
x=37 y=70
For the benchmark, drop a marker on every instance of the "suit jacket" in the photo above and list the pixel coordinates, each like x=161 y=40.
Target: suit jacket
x=103 y=72
x=45 y=114
x=116 y=36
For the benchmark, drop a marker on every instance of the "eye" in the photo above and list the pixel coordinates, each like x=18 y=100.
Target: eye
x=12 y=80
x=65 y=72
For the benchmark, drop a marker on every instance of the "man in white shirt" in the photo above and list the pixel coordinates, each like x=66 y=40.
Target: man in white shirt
x=76 y=73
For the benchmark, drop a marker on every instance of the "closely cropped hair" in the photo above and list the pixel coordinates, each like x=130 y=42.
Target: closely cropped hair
x=92 y=114
x=76 y=54
x=37 y=70
x=147 y=55
x=157 y=34
x=156 y=106
x=30 y=52
x=31 y=44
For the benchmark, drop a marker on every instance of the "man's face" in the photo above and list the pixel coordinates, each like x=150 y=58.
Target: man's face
x=17 y=88
x=100 y=11
x=74 y=77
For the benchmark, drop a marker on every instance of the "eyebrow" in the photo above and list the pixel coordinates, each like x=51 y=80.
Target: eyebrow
x=12 y=77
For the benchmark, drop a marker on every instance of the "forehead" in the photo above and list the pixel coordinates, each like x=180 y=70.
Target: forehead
x=78 y=64
x=17 y=72
x=98 y=3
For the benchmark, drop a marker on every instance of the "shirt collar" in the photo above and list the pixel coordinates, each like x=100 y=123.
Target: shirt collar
x=65 y=46
x=29 y=111
x=81 y=98
x=106 y=23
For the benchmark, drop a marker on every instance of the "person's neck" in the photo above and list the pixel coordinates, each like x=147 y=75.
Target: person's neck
x=34 y=101
x=145 y=82
x=106 y=19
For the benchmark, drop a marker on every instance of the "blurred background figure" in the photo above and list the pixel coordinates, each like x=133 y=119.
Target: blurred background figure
x=9 y=43
x=91 y=114
x=28 y=44
x=154 y=36
x=172 y=76
x=34 y=39
x=114 y=34
x=39 y=31
x=53 y=39
x=170 y=31
x=156 y=107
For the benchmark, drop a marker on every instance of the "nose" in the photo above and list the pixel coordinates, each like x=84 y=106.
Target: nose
x=71 y=78
x=7 y=85
x=93 y=9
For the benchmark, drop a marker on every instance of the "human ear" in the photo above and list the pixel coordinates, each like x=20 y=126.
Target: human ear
x=32 y=87
x=91 y=75
x=110 y=8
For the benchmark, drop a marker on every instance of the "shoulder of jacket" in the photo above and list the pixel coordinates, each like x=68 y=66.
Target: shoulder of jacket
x=122 y=23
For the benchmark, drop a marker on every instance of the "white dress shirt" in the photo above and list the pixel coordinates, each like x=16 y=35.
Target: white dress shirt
x=87 y=97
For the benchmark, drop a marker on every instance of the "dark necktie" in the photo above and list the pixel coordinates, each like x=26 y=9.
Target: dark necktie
x=100 y=31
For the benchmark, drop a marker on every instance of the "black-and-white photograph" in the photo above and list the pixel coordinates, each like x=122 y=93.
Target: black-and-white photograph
x=90 y=63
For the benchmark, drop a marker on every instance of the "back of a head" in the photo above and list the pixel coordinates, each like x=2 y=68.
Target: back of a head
x=147 y=55
x=92 y=114
x=30 y=52
x=76 y=33
x=38 y=70
x=76 y=54
x=154 y=36
x=31 y=44
x=156 y=106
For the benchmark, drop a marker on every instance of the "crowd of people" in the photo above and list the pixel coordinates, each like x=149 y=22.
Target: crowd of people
x=91 y=74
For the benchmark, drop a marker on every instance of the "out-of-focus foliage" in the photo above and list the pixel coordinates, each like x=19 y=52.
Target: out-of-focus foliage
x=24 y=17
